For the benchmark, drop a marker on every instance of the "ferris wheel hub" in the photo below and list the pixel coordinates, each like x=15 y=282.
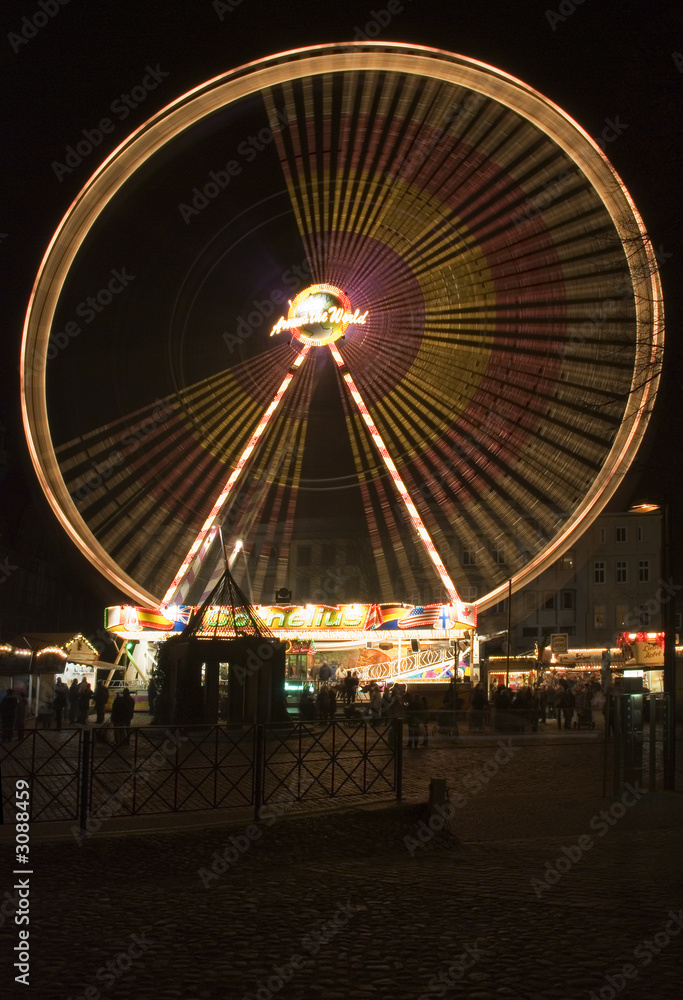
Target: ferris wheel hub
x=319 y=315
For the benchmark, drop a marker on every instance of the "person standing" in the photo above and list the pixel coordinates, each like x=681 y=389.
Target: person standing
x=542 y=701
x=84 y=699
x=348 y=689
x=551 y=698
x=101 y=698
x=117 y=717
x=333 y=704
x=73 y=701
x=60 y=702
x=8 y=708
x=412 y=714
x=478 y=703
x=129 y=712
x=424 y=719
x=20 y=715
x=152 y=692
x=322 y=703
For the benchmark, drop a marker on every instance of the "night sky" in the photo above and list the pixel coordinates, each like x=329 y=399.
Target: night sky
x=616 y=68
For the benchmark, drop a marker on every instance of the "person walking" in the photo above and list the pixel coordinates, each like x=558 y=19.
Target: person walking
x=101 y=698
x=8 y=708
x=60 y=702
x=20 y=715
x=73 y=701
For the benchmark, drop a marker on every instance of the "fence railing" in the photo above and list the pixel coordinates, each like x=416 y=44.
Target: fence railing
x=89 y=775
x=636 y=742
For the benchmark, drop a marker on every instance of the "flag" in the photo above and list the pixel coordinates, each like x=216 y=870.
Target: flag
x=421 y=617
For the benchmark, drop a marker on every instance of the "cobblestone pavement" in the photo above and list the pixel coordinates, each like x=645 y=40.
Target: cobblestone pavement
x=532 y=894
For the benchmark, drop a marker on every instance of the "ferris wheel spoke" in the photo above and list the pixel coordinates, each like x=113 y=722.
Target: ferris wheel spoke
x=398 y=482
x=198 y=547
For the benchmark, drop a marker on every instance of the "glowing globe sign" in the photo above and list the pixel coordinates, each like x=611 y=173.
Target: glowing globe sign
x=319 y=315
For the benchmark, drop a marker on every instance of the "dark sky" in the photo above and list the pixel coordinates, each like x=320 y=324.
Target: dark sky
x=616 y=67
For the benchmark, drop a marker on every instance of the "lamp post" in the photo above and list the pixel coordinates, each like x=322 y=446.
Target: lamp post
x=507 y=661
x=669 y=627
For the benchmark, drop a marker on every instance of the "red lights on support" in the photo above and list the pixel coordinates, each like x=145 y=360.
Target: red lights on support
x=393 y=472
x=171 y=597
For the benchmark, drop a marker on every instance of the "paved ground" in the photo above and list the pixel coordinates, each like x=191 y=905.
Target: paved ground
x=532 y=894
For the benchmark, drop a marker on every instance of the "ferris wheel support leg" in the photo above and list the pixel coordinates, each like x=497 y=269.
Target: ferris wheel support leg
x=174 y=592
x=398 y=482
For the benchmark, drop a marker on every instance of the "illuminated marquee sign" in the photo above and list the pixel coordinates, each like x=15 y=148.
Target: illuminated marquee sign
x=319 y=315
x=296 y=618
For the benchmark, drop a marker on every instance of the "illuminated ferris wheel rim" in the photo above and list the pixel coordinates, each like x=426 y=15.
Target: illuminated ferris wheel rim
x=223 y=90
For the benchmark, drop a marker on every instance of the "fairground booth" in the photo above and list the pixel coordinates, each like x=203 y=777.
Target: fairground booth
x=386 y=643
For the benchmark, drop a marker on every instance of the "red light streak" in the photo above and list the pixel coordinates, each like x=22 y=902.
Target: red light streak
x=393 y=472
x=225 y=492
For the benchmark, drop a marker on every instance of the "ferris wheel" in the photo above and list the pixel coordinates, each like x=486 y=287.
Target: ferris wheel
x=367 y=292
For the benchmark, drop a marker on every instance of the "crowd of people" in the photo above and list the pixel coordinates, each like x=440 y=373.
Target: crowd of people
x=13 y=709
x=393 y=702
x=69 y=704
x=568 y=703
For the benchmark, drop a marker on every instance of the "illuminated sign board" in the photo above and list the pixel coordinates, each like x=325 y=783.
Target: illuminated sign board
x=299 y=618
x=320 y=315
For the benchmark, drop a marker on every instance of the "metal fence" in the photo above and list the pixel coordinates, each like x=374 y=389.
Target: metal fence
x=89 y=775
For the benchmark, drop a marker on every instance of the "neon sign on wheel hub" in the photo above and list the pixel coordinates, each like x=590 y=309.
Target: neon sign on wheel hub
x=319 y=315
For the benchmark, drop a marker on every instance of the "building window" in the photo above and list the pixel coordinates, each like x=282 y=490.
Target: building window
x=303 y=555
x=639 y=532
x=498 y=553
x=548 y=601
x=621 y=571
x=498 y=608
x=598 y=572
x=602 y=535
x=622 y=615
x=530 y=601
x=469 y=555
x=469 y=594
x=643 y=571
x=599 y=616
x=644 y=615
x=620 y=534
x=568 y=600
x=529 y=631
x=567 y=561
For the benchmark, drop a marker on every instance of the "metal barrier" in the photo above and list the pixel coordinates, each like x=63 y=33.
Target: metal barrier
x=90 y=775
x=635 y=730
